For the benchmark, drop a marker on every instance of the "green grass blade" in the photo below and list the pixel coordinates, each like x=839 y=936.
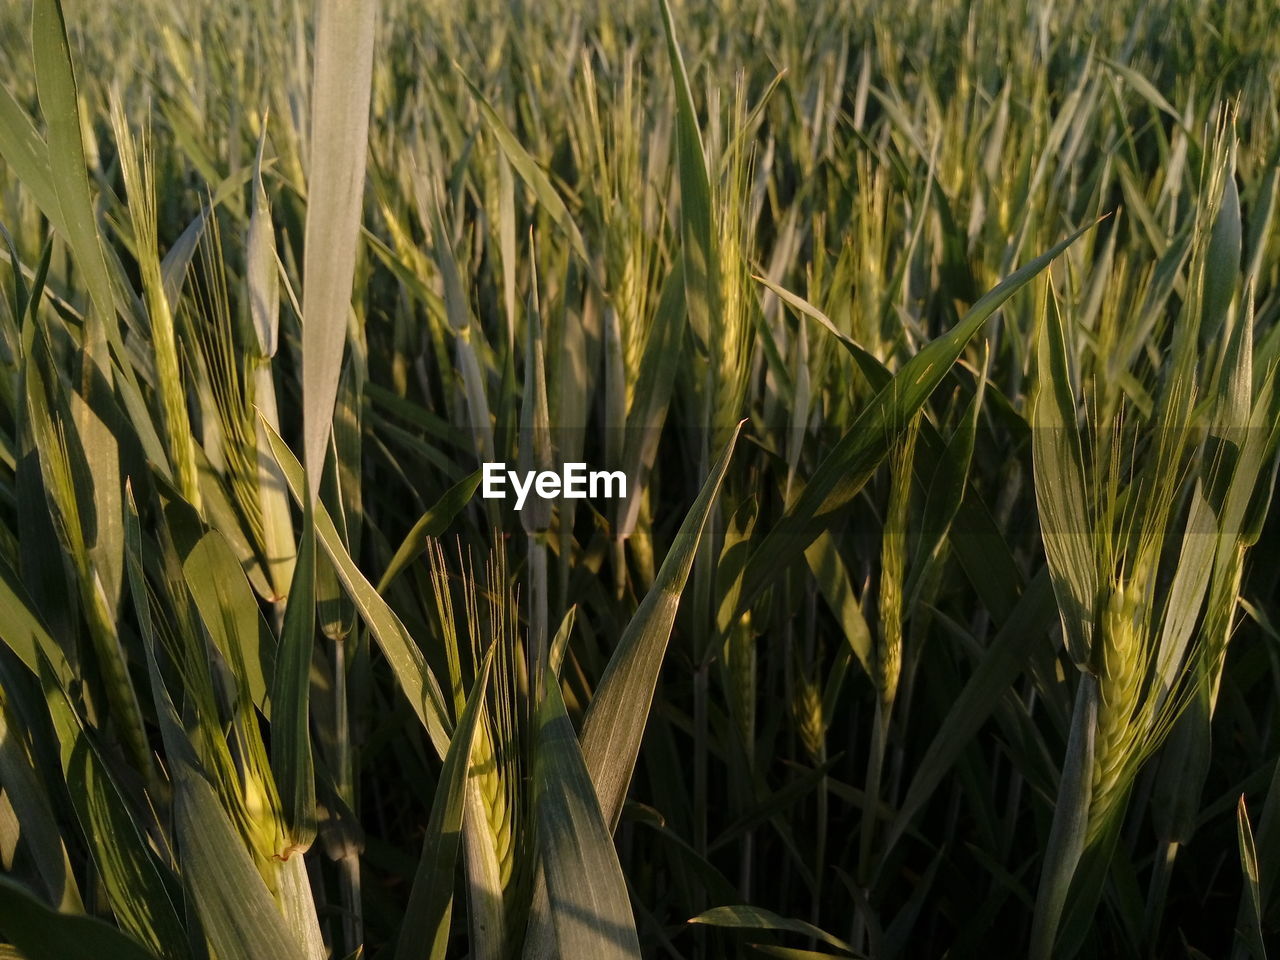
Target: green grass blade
x=142 y=892
x=1222 y=258
x=34 y=810
x=411 y=670
x=291 y=760
x=794 y=953
x=261 y=276
x=226 y=603
x=536 y=455
x=1267 y=851
x=431 y=525
x=756 y=918
x=1252 y=933
x=23 y=630
x=428 y=915
x=590 y=907
x=27 y=153
x=1261 y=217
x=98 y=423
x=1145 y=88
x=946 y=492
x=40 y=931
x=57 y=85
x=263 y=287
x=560 y=643
x=697 y=229
x=1065 y=522
x=654 y=386
x=616 y=718
x=832 y=577
x=75 y=215
x=530 y=172
x=1186 y=592
x=1070 y=821
x=335 y=192
x=853 y=461
x=236 y=909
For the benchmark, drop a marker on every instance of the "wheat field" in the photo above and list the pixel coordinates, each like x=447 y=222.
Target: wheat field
x=903 y=378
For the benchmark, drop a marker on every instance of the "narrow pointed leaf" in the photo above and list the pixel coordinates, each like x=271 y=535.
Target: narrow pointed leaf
x=430 y=525
x=291 y=759
x=406 y=660
x=70 y=181
x=530 y=172
x=1252 y=883
x=697 y=235
x=428 y=915
x=616 y=718
x=1070 y=821
x=847 y=468
x=142 y=892
x=756 y=918
x=335 y=193
x=1065 y=524
x=24 y=632
x=226 y=603
x=833 y=581
x=590 y=908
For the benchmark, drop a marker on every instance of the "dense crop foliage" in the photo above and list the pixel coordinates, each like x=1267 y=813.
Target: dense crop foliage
x=938 y=344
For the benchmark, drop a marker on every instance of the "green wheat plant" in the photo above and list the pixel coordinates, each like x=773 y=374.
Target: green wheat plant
x=936 y=343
